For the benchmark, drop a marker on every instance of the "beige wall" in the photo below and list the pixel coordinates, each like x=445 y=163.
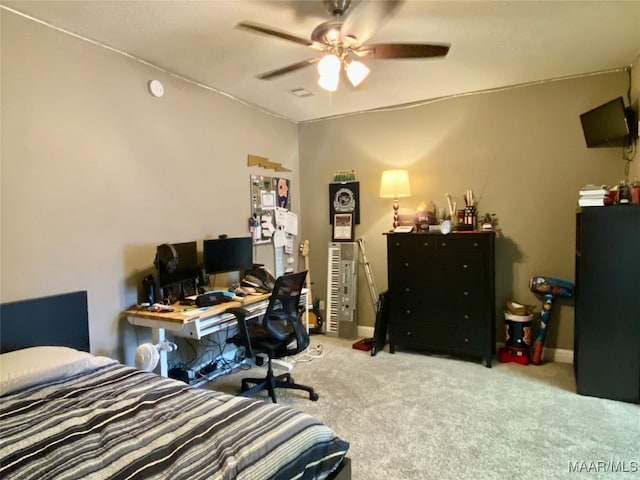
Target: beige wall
x=522 y=152
x=96 y=172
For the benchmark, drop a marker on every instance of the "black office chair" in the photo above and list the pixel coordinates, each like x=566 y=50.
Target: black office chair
x=278 y=333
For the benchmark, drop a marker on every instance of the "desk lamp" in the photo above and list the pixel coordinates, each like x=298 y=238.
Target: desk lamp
x=395 y=184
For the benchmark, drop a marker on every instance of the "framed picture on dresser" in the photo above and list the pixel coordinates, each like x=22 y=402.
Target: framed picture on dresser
x=343 y=227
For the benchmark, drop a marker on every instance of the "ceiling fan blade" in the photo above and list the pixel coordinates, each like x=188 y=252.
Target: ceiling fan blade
x=366 y=18
x=254 y=27
x=402 y=50
x=288 y=69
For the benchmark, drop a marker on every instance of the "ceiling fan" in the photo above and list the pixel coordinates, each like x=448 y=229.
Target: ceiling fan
x=343 y=42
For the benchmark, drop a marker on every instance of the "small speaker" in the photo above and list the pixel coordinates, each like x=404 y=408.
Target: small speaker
x=210 y=299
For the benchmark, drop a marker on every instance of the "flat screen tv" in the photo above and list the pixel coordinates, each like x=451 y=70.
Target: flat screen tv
x=223 y=255
x=609 y=125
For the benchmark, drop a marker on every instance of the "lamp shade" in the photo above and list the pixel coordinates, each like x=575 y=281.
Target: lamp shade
x=329 y=66
x=357 y=72
x=395 y=184
x=329 y=82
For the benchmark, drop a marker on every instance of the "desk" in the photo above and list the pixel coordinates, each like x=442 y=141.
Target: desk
x=196 y=323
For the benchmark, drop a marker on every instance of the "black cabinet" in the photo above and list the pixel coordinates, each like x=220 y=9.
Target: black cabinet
x=441 y=293
x=607 y=323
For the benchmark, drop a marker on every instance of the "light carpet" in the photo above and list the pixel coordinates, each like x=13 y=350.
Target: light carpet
x=415 y=416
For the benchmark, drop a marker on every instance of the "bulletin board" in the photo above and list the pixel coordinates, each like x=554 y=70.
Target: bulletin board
x=270 y=196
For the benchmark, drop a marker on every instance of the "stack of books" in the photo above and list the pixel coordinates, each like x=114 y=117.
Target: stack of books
x=594 y=196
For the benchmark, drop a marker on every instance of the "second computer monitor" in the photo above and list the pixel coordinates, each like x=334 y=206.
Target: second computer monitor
x=223 y=255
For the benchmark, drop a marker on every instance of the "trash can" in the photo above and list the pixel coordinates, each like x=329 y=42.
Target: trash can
x=518 y=333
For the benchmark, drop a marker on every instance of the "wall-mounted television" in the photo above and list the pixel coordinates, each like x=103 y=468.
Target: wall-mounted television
x=223 y=255
x=609 y=125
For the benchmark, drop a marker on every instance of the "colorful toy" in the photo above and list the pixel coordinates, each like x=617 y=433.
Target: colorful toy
x=505 y=355
x=551 y=288
x=517 y=333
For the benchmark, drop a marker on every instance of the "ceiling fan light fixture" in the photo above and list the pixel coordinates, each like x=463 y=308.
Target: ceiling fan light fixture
x=329 y=82
x=329 y=66
x=342 y=39
x=332 y=36
x=357 y=72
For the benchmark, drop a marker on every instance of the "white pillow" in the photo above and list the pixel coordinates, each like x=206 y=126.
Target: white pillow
x=29 y=366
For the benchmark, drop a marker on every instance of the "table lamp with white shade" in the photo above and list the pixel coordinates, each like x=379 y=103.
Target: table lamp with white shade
x=395 y=184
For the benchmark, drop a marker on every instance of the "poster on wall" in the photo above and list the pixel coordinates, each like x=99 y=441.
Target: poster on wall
x=344 y=197
x=281 y=187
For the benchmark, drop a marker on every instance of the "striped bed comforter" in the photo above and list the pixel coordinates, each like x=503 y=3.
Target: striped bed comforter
x=116 y=422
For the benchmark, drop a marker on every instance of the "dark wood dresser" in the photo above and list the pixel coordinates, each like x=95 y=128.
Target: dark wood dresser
x=441 y=293
x=607 y=330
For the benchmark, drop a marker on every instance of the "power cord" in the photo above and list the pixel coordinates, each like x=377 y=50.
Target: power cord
x=311 y=354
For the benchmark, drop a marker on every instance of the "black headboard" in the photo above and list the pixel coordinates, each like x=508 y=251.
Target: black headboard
x=60 y=320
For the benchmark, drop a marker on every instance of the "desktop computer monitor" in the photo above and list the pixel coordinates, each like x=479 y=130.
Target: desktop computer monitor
x=176 y=263
x=223 y=255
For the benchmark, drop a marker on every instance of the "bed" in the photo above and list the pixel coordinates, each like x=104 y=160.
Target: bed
x=65 y=413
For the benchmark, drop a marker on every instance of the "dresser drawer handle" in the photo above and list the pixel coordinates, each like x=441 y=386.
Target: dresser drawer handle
x=407 y=311
x=465 y=266
x=406 y=264
x=465 y=293
x=444 y=244
x=408 y=333
x=466 y=339
x=475 y=244
x=466 y=317
x=426 y=244
x=407 y=289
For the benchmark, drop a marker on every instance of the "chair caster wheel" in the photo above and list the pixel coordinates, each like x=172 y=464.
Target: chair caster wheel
x=314 y=396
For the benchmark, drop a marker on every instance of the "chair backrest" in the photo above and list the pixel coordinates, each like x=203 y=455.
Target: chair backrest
x=281 y=320
x=286 y=293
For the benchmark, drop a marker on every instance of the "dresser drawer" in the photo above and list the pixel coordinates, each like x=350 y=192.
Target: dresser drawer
x=467 y=312
x=462 y=242
x=460 y=316
x=410 y=290
x=410 y=245
x=466 y=268
x=436 y=337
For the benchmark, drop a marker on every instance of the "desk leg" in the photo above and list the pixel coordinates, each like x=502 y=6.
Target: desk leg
x=159 y=335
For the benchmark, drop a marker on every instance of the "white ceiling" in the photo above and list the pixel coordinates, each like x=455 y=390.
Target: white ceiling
x=493 y=45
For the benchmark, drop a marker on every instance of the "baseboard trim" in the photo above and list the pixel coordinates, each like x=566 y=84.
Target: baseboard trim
x=366 y=332
x=559 y=355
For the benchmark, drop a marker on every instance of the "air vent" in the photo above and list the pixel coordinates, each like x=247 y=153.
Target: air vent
x=301 y=92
